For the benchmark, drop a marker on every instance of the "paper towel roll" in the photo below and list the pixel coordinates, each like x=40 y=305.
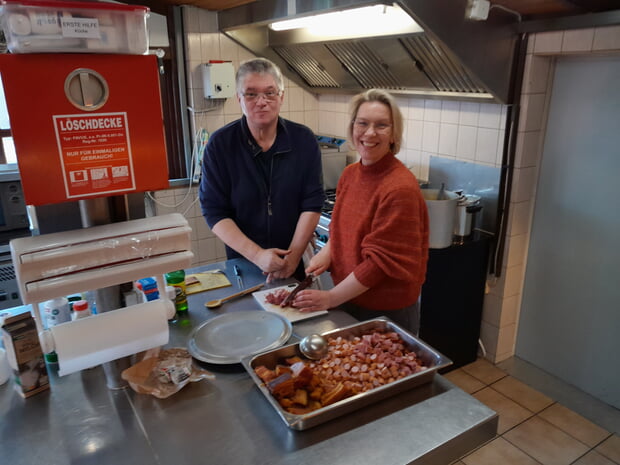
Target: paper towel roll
x=91 y=341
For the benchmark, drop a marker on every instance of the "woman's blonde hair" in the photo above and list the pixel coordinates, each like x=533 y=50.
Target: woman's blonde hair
x=378 y=95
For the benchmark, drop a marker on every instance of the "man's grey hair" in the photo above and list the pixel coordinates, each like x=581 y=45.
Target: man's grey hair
x=258 y=66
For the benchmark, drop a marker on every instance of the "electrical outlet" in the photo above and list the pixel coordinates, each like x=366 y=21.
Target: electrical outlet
x=478 y=10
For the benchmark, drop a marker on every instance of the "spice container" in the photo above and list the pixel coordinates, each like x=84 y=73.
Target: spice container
x=81 y=309
x=177 y=280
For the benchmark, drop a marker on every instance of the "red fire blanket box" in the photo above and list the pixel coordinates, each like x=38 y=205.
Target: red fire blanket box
x=85 y=125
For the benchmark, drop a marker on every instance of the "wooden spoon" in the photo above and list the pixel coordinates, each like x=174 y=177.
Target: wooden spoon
x=217 y=302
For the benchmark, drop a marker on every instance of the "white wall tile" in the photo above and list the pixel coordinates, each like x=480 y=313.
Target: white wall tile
x=229 y=50
x=432 y=110
x=312 y=120
x=193 y=48
x=506 y=342
x=466 y=143
x=524 y=183
x=448 y=135
x=532 y=112
x=311 y=101
x=606 y=38
x=527 y=149
x=414 y=132
x=510 y=311
x=469 y=113
x=403 y=106
x=425 y=164
x=486 y=146
x=514 y=280
x=416 y=109
x=430 y=136
x=210 y=46
x=516 y=250
x=492 y=309
x=548 y=42
x=520 y=217
x=450 y=111
x=577 y=40
x=295 y=99
x=489 y=116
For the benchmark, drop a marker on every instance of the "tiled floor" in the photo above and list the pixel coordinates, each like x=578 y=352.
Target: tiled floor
x=533 y=428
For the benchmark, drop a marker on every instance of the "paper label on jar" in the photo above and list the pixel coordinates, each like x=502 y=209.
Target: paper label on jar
x=87 y=28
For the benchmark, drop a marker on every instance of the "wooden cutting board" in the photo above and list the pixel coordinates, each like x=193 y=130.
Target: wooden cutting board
x=206 y=282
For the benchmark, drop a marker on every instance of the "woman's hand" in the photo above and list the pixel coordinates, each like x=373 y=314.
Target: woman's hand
x=319 y=263
x=311 y=300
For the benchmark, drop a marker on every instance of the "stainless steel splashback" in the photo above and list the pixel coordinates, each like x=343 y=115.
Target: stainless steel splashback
x=471 y=178
x=453 y=57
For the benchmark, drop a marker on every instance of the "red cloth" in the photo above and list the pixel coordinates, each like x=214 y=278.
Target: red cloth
x=379 y=231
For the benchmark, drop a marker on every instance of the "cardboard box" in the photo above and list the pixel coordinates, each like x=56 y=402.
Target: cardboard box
x=21 y=341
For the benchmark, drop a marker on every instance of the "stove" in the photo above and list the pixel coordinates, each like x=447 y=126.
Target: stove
x=321 y=233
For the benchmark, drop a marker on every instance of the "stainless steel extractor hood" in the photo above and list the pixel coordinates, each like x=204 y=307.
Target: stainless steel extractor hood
x=453 y=57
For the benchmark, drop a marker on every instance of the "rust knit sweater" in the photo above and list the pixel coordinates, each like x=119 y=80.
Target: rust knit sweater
x=379 y=231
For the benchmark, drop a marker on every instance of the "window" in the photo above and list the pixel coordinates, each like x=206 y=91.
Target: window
x=7 y=148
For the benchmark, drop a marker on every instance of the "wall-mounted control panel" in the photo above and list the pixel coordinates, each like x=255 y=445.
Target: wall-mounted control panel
x=218 y=79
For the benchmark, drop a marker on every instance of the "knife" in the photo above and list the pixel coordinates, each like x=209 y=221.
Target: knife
x=237 y=271
x=302 y=285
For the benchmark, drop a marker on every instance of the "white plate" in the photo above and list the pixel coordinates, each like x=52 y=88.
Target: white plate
x=230 y=337
x=290 y=313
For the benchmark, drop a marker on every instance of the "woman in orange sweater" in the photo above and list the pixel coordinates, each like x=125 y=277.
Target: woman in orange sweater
x=378 y=245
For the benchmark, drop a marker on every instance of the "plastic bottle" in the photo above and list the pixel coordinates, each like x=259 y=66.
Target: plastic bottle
x=177 y=279
x=81 y=309
x=57 y=311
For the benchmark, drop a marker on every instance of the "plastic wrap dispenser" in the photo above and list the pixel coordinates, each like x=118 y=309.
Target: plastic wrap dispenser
x=64 y=263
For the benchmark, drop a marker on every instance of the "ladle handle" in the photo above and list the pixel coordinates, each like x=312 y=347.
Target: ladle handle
x=244 y=292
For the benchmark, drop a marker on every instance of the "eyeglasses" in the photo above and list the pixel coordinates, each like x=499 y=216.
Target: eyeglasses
x=362 y=126
x=270 y=96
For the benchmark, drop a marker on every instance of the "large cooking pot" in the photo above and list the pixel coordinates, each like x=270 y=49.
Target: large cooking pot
x=441 y=215
x=467 y=207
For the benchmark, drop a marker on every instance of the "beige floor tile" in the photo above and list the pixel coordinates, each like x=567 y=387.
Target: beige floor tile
x=498 y=452
x=484 y=370
x=522 y=394
x=465 y=381
x=574 y=424
x=594 y=458
x=610 y=448
x=510 y=413
x=546 y=443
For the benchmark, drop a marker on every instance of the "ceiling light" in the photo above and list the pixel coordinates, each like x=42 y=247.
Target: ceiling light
x=372 y=20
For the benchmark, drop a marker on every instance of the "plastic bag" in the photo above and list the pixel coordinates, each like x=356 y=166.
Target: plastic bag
x=163 y=372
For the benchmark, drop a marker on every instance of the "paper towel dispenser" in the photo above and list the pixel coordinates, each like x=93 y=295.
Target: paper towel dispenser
x=58 y=264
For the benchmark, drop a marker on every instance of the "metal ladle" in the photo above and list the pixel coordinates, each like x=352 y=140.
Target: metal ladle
x=217 y=302
x=313 y=346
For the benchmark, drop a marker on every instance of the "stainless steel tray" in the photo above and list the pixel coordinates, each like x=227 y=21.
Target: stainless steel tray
x=429 y=356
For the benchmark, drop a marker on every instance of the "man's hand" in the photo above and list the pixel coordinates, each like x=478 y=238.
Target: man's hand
x=270 y=260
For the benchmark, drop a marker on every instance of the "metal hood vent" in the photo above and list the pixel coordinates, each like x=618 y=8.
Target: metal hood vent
x=453 y=57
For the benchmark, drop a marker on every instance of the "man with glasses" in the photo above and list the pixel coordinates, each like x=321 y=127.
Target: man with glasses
x=261 y=190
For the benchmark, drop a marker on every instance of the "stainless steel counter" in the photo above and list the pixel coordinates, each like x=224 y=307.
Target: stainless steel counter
x=227 y=420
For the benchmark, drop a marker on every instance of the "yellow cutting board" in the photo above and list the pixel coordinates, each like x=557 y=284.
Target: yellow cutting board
x=207 y=281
